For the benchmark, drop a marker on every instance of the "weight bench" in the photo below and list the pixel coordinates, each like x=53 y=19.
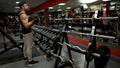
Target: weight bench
x=14 y=42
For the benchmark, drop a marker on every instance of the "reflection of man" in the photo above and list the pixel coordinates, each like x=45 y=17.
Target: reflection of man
x=26 y=31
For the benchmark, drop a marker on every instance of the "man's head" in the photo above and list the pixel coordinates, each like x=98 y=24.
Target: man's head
x=23 y=5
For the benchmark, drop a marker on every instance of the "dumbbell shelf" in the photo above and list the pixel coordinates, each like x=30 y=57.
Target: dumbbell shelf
x=48 y=35
x=45 y=38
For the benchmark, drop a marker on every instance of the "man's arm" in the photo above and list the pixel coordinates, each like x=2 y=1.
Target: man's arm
x=25 y=22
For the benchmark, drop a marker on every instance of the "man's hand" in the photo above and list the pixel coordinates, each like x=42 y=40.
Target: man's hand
x=30 y=19
x=36 y=19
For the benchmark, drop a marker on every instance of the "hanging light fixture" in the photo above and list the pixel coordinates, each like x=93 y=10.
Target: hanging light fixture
x=17 y=2
x=85 y=6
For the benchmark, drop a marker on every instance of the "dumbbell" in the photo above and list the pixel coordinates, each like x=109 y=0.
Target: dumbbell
x=40 y=38
x=44 y=46
x=36 y=40
x=46 y=33
x=40 y=44
x=43 y=32
x=48 y=50
x=35 y=18
x=40 y=31
x=34 y=29
x=45 y=39
x=37 y=35
x=52 y=35
x=30 y=18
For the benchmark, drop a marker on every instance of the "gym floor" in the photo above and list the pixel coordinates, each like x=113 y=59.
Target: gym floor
x=14 y=58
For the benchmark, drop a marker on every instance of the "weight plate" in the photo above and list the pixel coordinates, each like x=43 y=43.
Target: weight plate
x=91 y=49
x=105 y=53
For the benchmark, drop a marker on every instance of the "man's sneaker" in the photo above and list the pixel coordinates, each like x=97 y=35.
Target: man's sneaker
x=32 y=63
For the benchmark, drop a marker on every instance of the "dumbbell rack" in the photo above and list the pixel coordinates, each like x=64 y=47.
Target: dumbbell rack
x=46 y=39
x=90 y=53
x=51 y=49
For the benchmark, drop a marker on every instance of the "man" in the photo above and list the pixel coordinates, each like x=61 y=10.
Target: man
x=25 y=26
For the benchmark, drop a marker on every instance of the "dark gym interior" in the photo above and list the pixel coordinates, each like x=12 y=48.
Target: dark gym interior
x=61 y=33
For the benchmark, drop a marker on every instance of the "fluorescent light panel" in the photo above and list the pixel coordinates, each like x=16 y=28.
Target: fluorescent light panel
x=87 y=1
x=61 y=4
x=105 y=0
x=17 y=7
x=59 y=9
x=113 y=3
x=17 y=2
x=50 y=7
x=68 y=8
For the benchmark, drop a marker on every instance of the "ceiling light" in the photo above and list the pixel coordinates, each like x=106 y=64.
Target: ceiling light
x=85 y=6
x=112 y=7
x=105 y=0
x=112 y=3
x=68 y=8
x=17 y=2
x=50 y=7
x=59 y=9
x=61 y=4
x=17 y=7
x=87 y=1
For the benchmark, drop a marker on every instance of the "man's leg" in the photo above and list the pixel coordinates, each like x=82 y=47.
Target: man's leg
x=29 y=43
x=28 y=46
x=24 y=48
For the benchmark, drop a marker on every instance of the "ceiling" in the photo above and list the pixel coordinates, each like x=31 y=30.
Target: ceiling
x=73 y=4
x=9 y=5
x=77 y=4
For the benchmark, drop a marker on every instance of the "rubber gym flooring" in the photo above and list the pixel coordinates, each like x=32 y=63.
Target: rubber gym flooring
x=14 y=58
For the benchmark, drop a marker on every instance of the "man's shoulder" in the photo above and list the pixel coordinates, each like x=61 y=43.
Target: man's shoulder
x=21 y=12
